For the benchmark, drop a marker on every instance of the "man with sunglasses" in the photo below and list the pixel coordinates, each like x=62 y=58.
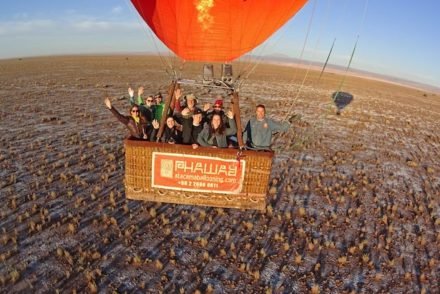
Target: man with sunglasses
x=148 y=108
x=159 y=108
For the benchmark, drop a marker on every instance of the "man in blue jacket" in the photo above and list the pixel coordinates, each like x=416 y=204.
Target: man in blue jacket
x=259 y=129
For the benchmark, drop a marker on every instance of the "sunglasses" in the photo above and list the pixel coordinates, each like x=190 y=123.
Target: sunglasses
x=135 y=111
x=149 y=100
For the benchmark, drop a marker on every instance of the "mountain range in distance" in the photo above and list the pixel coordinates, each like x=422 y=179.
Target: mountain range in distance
x=282 y=59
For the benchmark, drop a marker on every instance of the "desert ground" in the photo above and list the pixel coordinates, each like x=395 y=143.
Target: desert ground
x=353 y=202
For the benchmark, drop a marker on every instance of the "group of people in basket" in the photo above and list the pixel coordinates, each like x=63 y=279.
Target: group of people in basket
x=191 y=125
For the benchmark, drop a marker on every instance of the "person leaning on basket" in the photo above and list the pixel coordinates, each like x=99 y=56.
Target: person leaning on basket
x=214 y=134
x=172 y=132
x=135 y=123
x=192 y=128
x=258 y=132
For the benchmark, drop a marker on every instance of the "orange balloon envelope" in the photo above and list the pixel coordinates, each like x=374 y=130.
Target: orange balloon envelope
x=215 y=30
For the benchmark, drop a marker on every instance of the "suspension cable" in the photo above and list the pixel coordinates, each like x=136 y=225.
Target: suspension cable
x=165 y=62
x=326 y=61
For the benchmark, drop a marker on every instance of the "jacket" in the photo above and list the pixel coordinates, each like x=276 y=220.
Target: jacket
x=136 y=130
x=258 y=134
x=206 y=139
x=171 y=135
x=158 y=111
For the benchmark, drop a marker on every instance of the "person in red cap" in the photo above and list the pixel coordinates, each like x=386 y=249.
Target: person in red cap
x=218 y=104
x=216 y=109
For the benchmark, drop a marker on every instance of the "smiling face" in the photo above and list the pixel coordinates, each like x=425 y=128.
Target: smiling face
x=217 y=108
x=260 y=113
x=197 y=118
x=216 y=121
x=149 y=101
x=134 y=111
x=158 y=99
x=170 y=122
x=191 y=103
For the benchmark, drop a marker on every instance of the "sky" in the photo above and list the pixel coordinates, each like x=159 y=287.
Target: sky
x=398 y=38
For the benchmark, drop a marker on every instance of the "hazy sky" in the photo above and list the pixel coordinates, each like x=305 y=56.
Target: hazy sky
x=396 y=37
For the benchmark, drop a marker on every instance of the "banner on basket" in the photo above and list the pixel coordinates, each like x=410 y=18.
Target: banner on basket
x=197 y=173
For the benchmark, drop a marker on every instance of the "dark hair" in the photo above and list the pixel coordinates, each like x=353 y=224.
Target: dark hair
x=261 y=106
x=166 y=125
x=221 y=128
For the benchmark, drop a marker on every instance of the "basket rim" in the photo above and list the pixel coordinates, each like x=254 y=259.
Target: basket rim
x=178 y=147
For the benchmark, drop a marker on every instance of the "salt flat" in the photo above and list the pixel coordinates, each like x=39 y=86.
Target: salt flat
x=353 y=200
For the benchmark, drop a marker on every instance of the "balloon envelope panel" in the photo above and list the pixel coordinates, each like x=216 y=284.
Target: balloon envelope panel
x=215 y=30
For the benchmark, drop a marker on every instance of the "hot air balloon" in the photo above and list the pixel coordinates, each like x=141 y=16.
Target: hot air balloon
x=208 y=31
x=215 y=30
x=341 y=100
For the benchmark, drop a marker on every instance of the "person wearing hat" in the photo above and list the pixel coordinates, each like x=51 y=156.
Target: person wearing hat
x=191 y=128
x=191 y=102
x=186 y=117
x=216 y=109
x=186 y=113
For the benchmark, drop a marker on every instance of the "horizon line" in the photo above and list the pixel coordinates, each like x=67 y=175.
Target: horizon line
x=269 y=59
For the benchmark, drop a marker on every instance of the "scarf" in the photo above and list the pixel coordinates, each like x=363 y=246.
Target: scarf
x=136 y=118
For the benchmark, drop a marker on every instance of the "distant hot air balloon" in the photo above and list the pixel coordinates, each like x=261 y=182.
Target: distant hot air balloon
x=341 y=100
x=215 y=30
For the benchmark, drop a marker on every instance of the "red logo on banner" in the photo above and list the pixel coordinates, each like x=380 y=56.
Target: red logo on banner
x=197 y=173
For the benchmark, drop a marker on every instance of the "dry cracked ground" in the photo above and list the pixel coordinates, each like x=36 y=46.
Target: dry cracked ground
x=352 y=205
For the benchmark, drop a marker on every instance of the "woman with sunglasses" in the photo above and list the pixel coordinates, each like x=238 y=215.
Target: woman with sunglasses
x=135 y=123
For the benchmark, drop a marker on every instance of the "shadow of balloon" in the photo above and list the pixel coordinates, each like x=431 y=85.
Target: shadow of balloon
x=341 y=100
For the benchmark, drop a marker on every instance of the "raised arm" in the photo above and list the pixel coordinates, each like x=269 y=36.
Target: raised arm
x=139 y=100
x=123 y=119
x=177 y=96
x=131 y=95
x=232 y=130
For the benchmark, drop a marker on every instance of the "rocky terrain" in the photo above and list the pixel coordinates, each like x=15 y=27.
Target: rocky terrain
x=353 y=202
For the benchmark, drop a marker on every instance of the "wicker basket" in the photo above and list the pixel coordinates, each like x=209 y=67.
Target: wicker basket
x=141 y=182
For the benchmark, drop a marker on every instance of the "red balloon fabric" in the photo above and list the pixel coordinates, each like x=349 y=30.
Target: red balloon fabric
x=215 y=30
